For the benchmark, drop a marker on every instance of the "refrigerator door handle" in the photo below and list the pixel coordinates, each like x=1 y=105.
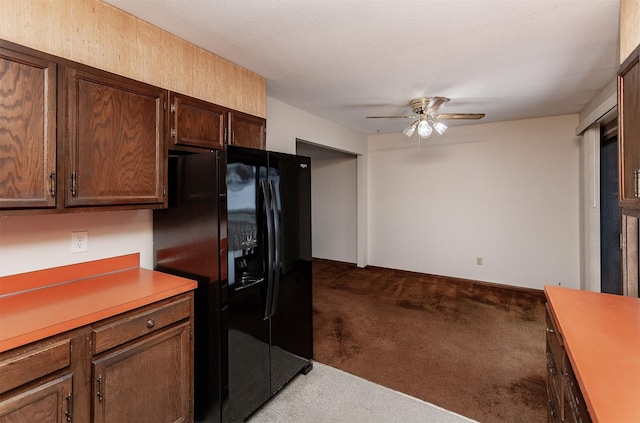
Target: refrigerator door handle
x=278 y=247
x=270 y=248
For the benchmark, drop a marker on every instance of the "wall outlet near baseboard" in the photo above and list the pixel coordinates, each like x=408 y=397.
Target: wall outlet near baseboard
x=79 y=241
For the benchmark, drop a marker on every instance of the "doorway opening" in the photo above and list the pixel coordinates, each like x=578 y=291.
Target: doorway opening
x=610 y=214
x=334 y=211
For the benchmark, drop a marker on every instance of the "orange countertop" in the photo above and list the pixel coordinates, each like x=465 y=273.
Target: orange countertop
x=601 y=334
x=43 y=303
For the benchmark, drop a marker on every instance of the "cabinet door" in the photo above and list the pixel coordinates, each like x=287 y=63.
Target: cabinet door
x=27 y=131
x=115 y=140
x=629 y=125
x=247 y=131
x=196 y=123
x=46 y=403
x=148 y=381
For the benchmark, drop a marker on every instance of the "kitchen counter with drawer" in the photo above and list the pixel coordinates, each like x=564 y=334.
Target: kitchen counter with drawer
x=87 y=342
x=600 y=334
x=39 y=304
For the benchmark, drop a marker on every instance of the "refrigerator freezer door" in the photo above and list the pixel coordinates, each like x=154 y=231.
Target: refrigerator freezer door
x=248 y=240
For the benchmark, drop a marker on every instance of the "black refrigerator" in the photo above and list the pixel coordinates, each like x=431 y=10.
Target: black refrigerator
x=239 y=223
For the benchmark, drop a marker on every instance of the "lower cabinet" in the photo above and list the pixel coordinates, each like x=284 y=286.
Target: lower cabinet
x=147 y=381
x=50 y=402
x=565 y=402
x=133 y=367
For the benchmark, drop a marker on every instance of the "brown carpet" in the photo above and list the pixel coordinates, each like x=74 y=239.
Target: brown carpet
x=473 y=348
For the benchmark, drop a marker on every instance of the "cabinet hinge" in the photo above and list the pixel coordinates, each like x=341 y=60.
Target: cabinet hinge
x=173 y=132
x=73 y=184
x=164 y=105
x=164 y=191
x=173 y=108
x=225 y=135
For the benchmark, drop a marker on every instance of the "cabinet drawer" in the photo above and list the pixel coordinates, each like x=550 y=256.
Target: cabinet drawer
x=574 y=397
x=140 y=323
x=37 y=362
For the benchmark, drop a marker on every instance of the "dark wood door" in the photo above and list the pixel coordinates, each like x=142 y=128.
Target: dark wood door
x=610 y=218
x=49 y=402
x=247 y=130
x=115 y=140
x=196 y=123
x=629 y=124
x=27 y=131
x=147 y=381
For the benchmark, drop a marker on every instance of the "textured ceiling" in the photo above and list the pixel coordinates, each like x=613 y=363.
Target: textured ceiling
x=348 y=59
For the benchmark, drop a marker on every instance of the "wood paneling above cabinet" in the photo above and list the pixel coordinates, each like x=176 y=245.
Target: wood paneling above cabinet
x=97 y=34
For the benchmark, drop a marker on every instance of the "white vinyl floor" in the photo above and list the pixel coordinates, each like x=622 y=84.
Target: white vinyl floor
x=329 y=395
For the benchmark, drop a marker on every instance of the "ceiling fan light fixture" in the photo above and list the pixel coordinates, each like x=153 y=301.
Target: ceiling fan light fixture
x=424 y=130
x=409 y=130
x=439 y=127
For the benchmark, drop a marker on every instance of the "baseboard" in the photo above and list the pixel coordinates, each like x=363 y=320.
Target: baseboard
x=503 y=293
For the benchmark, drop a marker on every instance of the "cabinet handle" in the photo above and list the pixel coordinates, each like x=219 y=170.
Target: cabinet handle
x=173 y=132
x=99 y=393
x=636 y=183
x=151 y=323
x=73 y=184
x=68 y=412
x=550 y=330
x=233 y=137
x=53 y=184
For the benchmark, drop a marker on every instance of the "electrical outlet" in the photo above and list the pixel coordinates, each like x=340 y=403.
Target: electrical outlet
x=79 y=241
x=479 y=261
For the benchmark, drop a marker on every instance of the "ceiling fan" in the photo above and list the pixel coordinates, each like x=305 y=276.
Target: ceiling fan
x=426 y=109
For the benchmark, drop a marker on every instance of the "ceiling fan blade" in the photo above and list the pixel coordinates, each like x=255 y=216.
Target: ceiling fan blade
x=460 y=116
x=435 y=104
x=391 y=117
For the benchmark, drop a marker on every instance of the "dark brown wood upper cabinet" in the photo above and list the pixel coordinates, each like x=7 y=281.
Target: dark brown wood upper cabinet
x=75 y=138
x=629 y=130
x=247 y=130
x=114 y=134
x=27 y=131
x=195 y=123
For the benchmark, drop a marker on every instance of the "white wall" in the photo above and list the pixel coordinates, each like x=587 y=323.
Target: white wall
x=286 y=124
x=334 y=203
x=37 y=242
x=506 y=192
